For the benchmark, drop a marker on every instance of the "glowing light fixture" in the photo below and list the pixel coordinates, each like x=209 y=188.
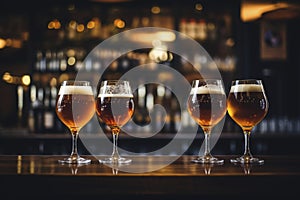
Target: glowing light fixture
x=2 y=43
x=54 y=24
x=80 y=28
x=7 y=77
x=26 y=80
x=72 y=24
x=198 y=6
x=152 y=37
x=91 y=24
x=119 y=23
x=155 y=10
x=71 y=61
x=252 y=10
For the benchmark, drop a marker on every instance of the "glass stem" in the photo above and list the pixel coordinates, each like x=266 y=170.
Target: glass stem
x=115 y=154
x=247 y=153
x=206 y=144
x=74 y=154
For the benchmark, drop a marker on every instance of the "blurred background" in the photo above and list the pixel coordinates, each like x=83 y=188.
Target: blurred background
x=43 y=43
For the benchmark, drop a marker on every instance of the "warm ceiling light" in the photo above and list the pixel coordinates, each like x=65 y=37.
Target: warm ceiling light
x=72 y=24
x=252 y=10
x=57 y=24
x=51 y=25
x=91 y=24
x=7 y=77
x=80 y=28
x=153 y=37
x=230 y=42
x=54 y=24
x=198 y=6
x=26 y=80
x=71 y=61
x=119 y=23
x=71 y=52
x=2 y=43
x=155 y=10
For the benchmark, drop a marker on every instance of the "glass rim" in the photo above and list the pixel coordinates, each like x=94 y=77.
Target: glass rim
x=246 y=81
x=202 y=82
x=207 y=79
x=114 y=80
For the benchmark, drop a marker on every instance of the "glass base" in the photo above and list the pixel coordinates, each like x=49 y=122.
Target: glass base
x=78 y=160
x=111 y=160
x=247 y=160
x=208 y=160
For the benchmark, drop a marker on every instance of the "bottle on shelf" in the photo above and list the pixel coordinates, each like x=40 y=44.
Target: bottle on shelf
x=37 y=96
x=48 y=114
x=201 y=30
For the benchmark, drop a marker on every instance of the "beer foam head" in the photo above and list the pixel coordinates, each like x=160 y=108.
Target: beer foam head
x=207 y=89
x=69 y=89
x=116 y=95
x=246 y=88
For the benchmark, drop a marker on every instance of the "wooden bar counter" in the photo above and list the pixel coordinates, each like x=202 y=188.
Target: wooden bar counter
x=42 y=177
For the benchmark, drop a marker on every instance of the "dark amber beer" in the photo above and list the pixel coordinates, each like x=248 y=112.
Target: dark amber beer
x=247 y=105
x=75 y=105
x=207 y=106
x=115 y=110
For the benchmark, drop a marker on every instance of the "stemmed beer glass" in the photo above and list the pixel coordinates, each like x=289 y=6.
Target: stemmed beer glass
x=247 y=106
x=207 y=106
x=75 y=106
x=114 y=107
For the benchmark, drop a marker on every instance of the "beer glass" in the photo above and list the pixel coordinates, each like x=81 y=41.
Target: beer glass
x=75 y=106
x=247 y=106
x=207 y=106
x=114 y=107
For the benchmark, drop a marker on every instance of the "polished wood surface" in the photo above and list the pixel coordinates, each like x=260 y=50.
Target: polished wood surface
x=148 y=177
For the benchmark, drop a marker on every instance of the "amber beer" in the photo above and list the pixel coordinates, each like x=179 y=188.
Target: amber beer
x=247 y=105
x=207 y=106
x=75 y=105
x=114 y=110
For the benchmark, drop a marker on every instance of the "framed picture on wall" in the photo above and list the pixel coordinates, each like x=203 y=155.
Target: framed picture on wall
x=273 y=40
